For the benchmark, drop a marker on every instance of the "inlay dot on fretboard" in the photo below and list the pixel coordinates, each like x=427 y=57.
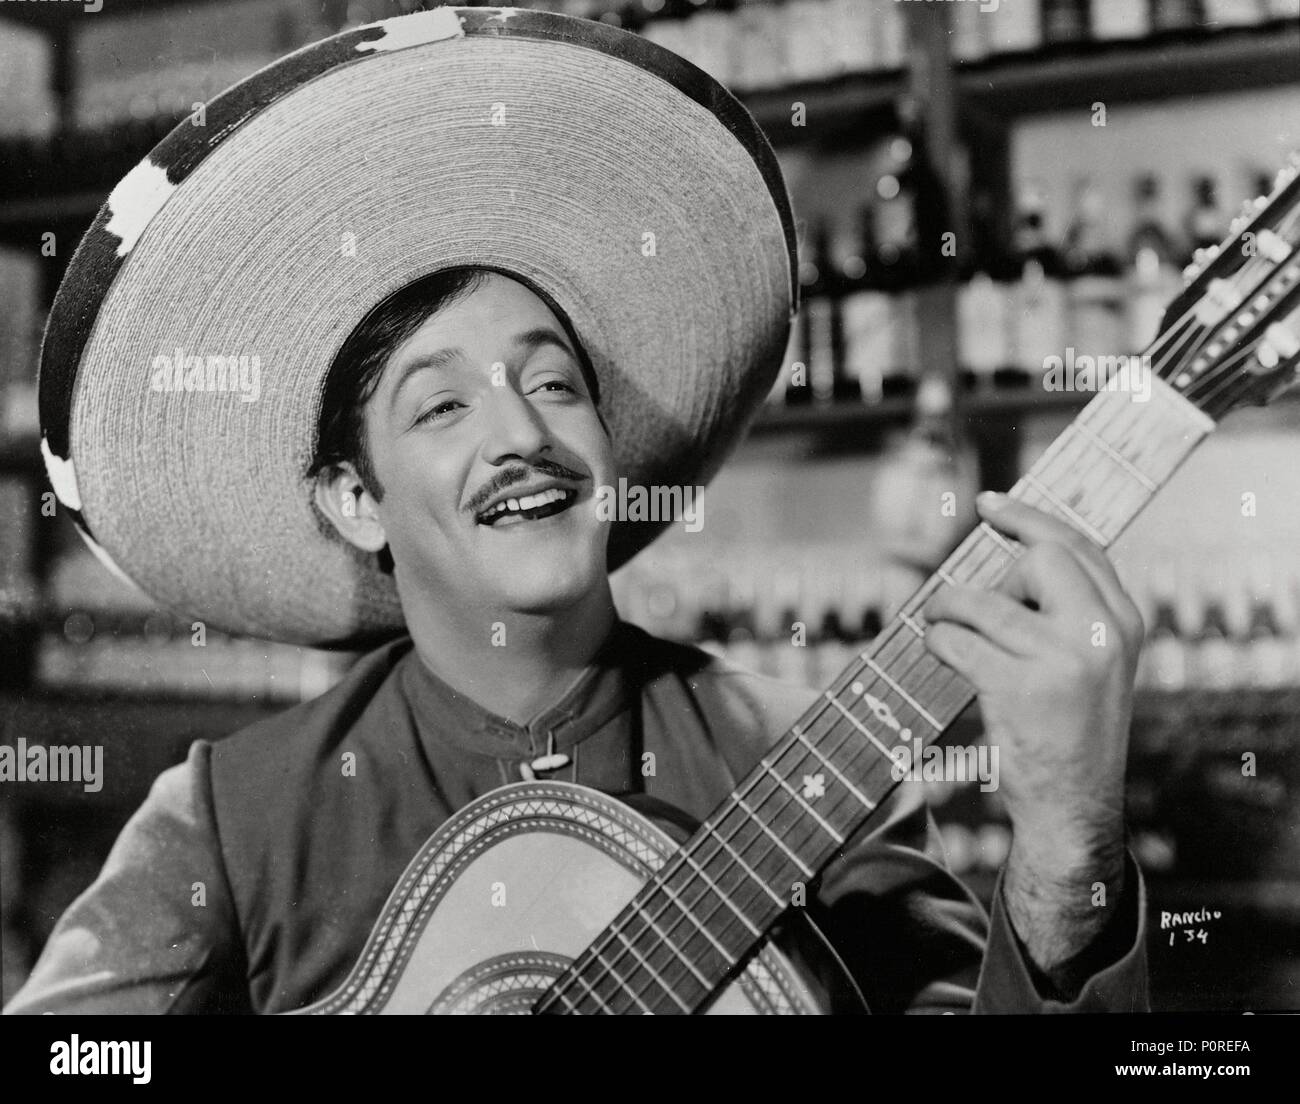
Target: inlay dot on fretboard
x=881 y=710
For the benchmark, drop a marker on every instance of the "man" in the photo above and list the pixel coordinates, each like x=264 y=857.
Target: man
x=462 y=431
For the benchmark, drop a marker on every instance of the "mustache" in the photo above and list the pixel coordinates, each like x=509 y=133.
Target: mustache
x=516 y=474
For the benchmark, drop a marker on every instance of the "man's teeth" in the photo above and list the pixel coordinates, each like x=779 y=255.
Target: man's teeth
x=529 y=502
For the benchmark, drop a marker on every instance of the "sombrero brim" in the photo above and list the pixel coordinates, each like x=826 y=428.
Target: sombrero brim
x=617 y=177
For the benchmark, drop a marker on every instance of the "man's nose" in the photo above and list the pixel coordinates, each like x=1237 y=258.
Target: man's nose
x=515 y=428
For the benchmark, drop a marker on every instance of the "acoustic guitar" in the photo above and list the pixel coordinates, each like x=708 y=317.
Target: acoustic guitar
x=615 y=909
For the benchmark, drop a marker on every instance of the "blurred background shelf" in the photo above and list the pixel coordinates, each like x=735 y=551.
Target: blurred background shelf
x=1034 y=82
x=895 y=124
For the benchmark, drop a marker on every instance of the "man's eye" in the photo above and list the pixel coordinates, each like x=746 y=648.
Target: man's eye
x=438 y=410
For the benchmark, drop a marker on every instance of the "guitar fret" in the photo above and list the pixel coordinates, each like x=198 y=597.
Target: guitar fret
x=668 y=889
x=587 y=986
x=713 y=885
x=863 y=799
x=1122 y=461
x=664 y=938
x=1012 y=550
x=857 y=724
x=911 y=622
x=645 y=964
x=780 y=903
x=945 y=576
x=800 y=799
x=973 y=569
x=915 y=705
x=558 y=994
x=625 y=987
x=1072 y=516
x=775 y=838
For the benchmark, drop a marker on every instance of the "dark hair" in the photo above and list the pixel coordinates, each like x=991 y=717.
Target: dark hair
x=360 y=362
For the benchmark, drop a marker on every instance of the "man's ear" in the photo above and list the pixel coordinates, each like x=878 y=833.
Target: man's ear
x=351 y=509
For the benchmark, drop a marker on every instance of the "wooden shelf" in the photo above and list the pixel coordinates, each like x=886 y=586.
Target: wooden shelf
x=1141 y=69
x=1009 y=86
x=1016 y=85
x=850 y=426
x=842 y=416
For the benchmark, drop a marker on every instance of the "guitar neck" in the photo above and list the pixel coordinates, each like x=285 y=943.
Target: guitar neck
x=713 y=902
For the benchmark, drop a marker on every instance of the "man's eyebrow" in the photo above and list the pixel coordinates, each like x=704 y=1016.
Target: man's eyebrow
x=539 y=336
x=528 y=341
x=439 y=358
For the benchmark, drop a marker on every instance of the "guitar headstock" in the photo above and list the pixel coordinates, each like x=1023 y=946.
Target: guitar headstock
x=1232 y=338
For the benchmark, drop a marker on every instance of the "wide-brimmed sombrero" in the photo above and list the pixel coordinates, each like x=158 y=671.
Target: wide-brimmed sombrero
x=609 y=173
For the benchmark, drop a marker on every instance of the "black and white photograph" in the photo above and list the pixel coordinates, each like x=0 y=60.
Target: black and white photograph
x=651 y=507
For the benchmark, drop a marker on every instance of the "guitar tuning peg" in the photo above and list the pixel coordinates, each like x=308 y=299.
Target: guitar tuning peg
x=1279 y=343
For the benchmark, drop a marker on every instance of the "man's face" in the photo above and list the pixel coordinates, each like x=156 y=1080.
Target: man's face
x=483 y=406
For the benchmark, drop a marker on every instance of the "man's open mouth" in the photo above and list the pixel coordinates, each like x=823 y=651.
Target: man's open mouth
x=533 y=507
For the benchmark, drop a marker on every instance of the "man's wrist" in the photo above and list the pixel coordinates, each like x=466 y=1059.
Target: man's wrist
x=1059 y=896
x=1079 y=945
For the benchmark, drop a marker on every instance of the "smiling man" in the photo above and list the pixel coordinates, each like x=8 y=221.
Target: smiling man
x=460 y=433
x=429 y=460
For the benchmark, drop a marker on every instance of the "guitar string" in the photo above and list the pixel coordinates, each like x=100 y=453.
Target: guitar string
x=813 y=831
x=776 y=789
x=850 y=675
x=767 y=797
x=1288 y=228
x=1228 y=364
x=804 y=755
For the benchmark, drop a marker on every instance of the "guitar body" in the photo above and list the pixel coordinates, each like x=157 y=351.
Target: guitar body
x=509 y=890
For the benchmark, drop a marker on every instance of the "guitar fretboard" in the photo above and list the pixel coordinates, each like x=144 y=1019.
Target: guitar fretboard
x=697 y=920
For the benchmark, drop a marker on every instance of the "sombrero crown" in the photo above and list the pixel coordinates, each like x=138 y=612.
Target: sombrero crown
x=186 y=353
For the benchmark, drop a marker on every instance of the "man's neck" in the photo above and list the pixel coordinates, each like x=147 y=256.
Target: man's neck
x=515 y=665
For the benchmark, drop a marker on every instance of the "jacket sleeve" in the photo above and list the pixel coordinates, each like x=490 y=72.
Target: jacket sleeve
x=156 y=931
x=917 y=940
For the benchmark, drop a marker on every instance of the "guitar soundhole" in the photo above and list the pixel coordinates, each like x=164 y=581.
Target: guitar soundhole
x=506 y=985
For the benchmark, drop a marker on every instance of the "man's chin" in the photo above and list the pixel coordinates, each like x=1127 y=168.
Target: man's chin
x=544 y=580
x=546 y=596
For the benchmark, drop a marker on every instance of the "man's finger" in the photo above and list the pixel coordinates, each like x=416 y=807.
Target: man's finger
x=1001 y=619
x=1028 y=524
x=982 y=663
x=1032 y=526
x=1054 y=579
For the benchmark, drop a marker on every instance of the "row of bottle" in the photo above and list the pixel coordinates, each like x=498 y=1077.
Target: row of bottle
x=803 y=616
x=758 y=44
x=163 y=658
x=1205 y=655
x=749 y=45
x=1202 y=650
x=1012 y=26
x=858 y=330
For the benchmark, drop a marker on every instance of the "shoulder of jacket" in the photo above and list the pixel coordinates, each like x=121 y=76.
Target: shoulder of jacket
x=294 y=730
